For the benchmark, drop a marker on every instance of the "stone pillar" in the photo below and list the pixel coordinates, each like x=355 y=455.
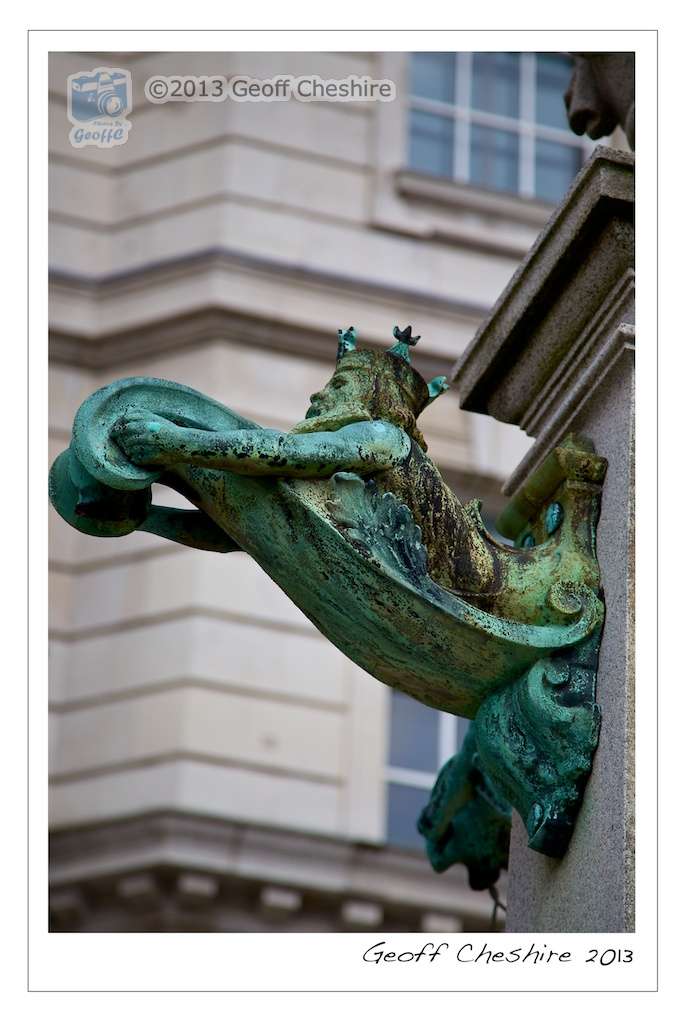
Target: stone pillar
x=555 y=356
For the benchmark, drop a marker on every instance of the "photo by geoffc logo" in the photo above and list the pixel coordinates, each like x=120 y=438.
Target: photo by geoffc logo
x=98 y=102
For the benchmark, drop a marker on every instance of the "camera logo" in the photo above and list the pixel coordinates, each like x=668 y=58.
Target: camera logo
x=98 y=102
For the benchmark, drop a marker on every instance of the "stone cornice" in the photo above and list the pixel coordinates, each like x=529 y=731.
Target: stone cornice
x=308 y=276
x=580 y=379
x=214 y=322
x=208 y=325
x=127 y=866
x=540 y=334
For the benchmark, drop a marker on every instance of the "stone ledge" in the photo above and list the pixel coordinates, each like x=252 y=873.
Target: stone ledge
x=613 y=349
x=98 y=874
x=310 y=276
x=574 y=269
x=208 y=325
x=494 y=205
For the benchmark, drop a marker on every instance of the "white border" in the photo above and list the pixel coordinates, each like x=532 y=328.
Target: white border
x=175 y=962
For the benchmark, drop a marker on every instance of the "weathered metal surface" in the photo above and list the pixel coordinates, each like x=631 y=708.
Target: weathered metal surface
x=467 y=820
x=353 y=521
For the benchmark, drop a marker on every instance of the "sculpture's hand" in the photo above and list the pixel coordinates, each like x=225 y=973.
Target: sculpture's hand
x=148 y=439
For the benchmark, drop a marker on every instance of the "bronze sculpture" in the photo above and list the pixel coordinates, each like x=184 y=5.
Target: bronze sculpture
x=352 y=519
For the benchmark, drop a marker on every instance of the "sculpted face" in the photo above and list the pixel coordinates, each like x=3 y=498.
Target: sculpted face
x=346 y=398
x=368 y=385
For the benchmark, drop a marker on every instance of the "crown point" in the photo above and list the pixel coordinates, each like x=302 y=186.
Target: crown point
x=404 y=341
x=347 y=341
x=405 y=337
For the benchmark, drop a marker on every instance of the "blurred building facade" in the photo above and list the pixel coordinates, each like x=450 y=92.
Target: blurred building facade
x=215 y=763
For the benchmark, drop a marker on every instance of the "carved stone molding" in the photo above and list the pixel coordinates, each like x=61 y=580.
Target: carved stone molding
x=99 y=349
x=196 y=328
x=178 y=872
x=565 y=299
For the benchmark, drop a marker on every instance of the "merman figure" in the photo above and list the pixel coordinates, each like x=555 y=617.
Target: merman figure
x=352 y=519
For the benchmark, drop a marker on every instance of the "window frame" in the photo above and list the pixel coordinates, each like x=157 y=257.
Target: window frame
x=447 y=745
x=525 y=126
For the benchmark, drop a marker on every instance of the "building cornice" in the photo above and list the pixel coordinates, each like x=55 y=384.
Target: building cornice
x=212 y=258
x=150 y=863
x=581 y=263
x=201 y=326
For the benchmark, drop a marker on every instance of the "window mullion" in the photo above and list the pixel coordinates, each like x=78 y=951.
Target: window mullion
x=447 y=737
x=528 y=118
x=410 y=777
x=463 y=89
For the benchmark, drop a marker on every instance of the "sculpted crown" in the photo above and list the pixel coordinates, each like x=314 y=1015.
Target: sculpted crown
x=405 y=341
x=347 y=342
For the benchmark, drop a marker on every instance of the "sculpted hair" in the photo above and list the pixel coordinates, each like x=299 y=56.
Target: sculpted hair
x=399 y=413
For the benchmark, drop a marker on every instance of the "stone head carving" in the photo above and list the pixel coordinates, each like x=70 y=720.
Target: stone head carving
x=601 y=94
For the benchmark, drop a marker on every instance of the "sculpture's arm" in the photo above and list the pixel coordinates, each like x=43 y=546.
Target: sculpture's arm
x=92 y=507
x=190 y=527
x=363 y=447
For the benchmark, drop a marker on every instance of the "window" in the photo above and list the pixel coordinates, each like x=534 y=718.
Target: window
x=496 y=120
x=421 y=741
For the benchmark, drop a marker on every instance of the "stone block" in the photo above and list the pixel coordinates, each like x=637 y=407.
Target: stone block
x=277 y=903
x=190 y=722
x=359 y=915
x=199 y=788
x=443 y=923
x=140 y=892
x=195 y=890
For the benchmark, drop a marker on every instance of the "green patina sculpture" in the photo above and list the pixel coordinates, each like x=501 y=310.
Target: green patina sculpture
x=352 y=519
